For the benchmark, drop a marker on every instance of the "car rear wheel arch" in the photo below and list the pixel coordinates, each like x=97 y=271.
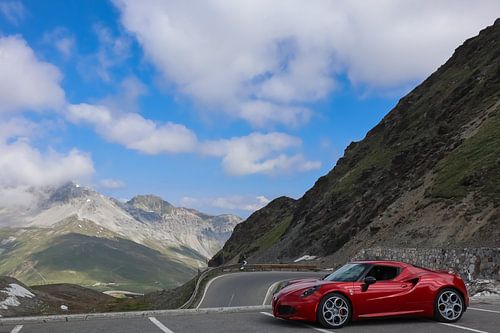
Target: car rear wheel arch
x=437 y=315
x=455 y=289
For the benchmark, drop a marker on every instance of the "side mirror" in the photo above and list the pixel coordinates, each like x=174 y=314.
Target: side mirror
x=368 y=280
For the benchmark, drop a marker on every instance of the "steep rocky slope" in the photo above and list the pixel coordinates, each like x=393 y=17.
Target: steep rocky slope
x=259 y=231
x=427 y=175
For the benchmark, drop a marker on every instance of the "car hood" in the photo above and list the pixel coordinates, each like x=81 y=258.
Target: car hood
x=295 y=285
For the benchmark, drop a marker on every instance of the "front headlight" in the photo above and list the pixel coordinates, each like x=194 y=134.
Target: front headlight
x=309 y=291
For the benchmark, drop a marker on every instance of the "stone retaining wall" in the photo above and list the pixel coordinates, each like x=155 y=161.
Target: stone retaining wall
x=470 y=263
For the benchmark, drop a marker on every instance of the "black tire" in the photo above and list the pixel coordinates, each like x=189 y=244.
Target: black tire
x=331 y=322
x=452 y=310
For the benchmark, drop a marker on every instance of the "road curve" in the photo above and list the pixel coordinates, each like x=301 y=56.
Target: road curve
x=245 y=288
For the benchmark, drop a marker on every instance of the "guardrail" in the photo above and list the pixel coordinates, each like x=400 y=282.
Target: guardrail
x=213 y=272
x=122 y=315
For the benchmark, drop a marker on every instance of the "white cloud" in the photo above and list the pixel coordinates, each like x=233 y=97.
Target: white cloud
x=62 y=40
x=259 y=153
x=21 y=164
x=26 y=83
x=16 y=197
x=262 y=114
x=113 y=50
x=16 y=127
x=131 y=89
x=229 y=203
x=133 y=131
x=23 y=167
x=13 y=11
x=262 y=61
x=111 y=183
x=241 y=203
x=65 y=45
x=251 y=154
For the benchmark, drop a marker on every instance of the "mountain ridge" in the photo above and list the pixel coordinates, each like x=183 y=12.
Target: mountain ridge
x=39 y=249
x=427 y=175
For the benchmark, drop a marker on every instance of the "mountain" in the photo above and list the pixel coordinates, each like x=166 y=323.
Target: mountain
x=77 y=235
x=427 y=175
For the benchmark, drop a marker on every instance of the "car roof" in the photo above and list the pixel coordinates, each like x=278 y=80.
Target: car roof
x=381 y=262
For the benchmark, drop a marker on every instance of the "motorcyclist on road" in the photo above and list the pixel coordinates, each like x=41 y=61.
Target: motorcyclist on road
x=243 y=261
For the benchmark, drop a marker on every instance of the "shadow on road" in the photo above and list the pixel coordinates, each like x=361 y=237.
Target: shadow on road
x=377 y=322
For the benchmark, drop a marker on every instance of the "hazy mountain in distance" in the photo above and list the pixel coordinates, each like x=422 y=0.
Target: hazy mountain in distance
x=75 y=234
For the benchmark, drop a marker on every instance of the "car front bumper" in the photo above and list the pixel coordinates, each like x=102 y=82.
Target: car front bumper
x=295 y=308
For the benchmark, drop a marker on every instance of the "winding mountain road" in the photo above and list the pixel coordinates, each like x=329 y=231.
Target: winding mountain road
x=250 y=288
x=246 y=288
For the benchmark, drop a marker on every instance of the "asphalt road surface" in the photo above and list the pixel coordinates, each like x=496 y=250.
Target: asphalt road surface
x=480 y=317
x=246 y=288
x=473 y=321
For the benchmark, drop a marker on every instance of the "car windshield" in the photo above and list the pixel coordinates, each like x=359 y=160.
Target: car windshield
x=348 y=273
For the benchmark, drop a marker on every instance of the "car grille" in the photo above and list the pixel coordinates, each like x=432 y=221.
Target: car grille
x=285 y=310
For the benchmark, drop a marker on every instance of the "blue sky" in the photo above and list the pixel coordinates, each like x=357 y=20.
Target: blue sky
x=220 y=106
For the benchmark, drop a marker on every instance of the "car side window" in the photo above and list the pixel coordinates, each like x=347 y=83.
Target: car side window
x=383 y=273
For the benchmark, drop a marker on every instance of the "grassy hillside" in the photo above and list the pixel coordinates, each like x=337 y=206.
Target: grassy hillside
x=474 y=164
x=72 y=253
x=86 y=260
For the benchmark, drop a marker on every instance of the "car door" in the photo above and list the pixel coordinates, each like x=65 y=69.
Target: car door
x=385 y=297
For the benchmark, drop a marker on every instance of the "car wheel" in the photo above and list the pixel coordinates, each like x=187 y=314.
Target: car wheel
x=449 y=305
x=334 y=311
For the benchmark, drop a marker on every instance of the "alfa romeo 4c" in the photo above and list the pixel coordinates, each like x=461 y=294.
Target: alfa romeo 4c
x=372 y=289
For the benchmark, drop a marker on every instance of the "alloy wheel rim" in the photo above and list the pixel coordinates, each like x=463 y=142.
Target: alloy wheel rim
x=450 y=305
x=335 y=311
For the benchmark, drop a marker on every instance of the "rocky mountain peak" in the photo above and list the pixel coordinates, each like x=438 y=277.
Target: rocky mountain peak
x=150 y=203
x=67 y=192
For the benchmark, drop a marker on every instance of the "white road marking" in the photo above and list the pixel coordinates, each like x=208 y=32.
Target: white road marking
x=231 y=300
x=17 y=329
x=160 y=325
x=308 y=326
x=269 y=292
x=206 y=288
x=463 y=328
x=485 y=310
x=320 y=329
x=269 y=314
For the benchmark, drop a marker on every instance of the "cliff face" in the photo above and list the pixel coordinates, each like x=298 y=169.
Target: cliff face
x=260 y=231
x=427 y=175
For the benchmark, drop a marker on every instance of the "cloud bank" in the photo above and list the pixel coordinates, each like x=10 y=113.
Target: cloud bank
x=133 y=131
x=251 y=154
x=226 y=203
x=265 y=61
x=26 y=83
x=29 y=84
x=259 y=153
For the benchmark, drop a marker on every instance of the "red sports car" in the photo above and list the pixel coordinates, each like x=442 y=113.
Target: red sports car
x=373 y=289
